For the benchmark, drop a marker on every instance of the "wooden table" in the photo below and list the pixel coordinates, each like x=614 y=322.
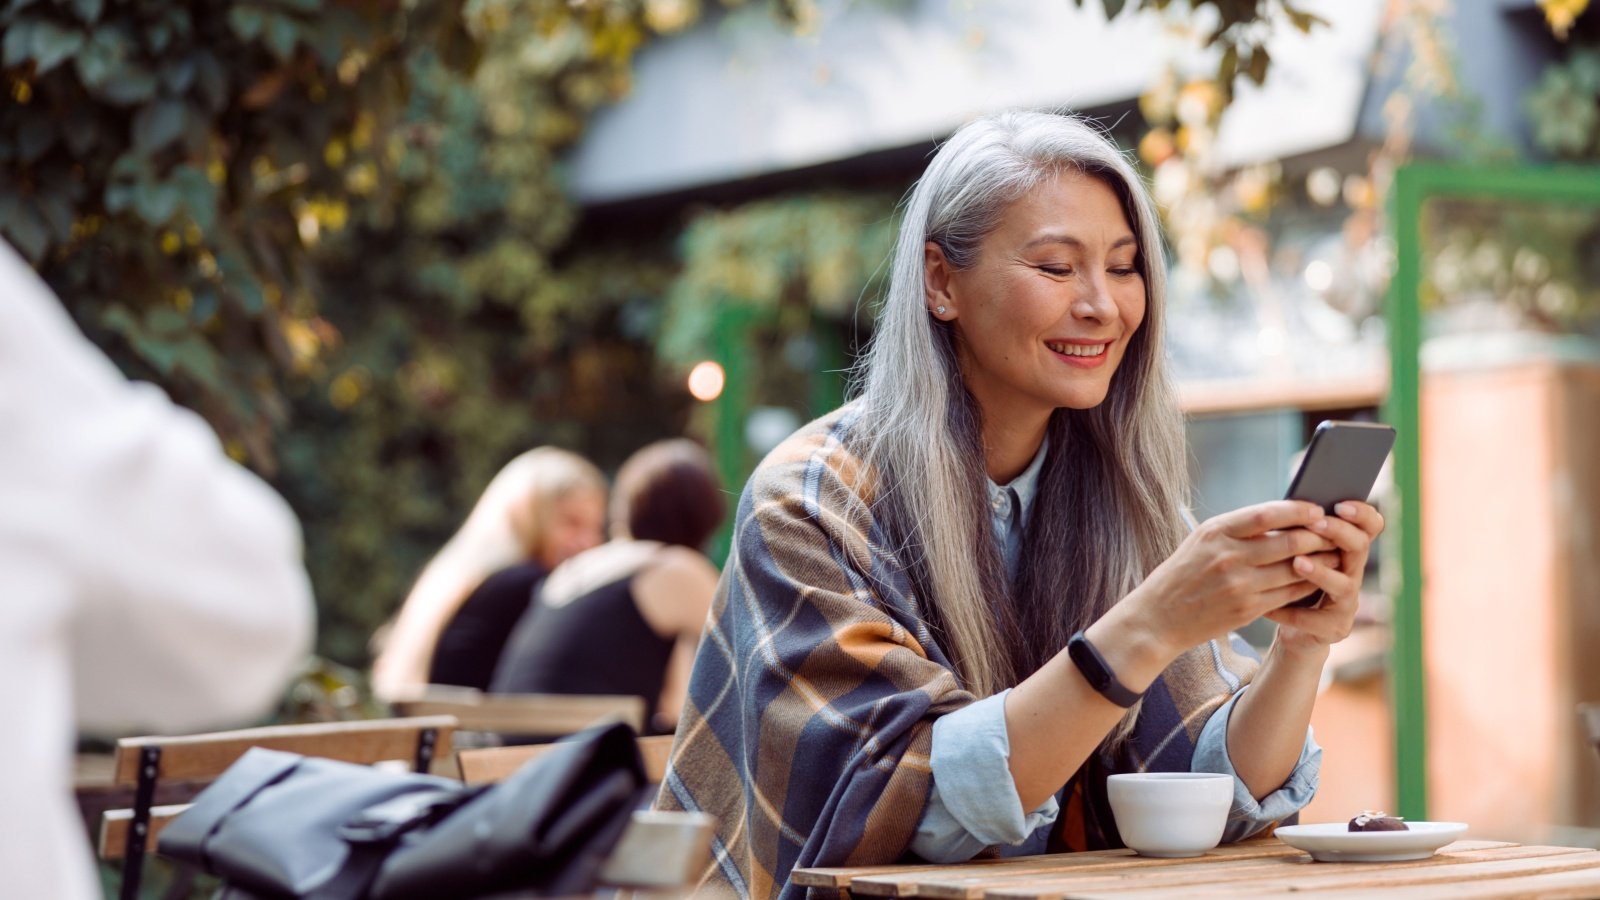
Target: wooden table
x=1264 y=868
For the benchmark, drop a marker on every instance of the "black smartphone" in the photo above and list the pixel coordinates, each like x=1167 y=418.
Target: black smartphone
x=1342 y=463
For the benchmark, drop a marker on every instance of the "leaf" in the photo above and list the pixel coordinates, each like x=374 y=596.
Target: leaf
x=195 y=356
x=88 y=10
x=102 y=58
x=52 y=45
x=206 y=306
x=158 y=125
x=130 y=166
x=282 y=34
x=117 y=319
x=159 y=353
x=157 y=36
x=1259 y=61
x=132 y=84
x=18 y=43
x=1228 y=67
x=178 y=74
x=165 y=321
x=155 y=201
x=246 y=21
x=118 y=197
x=56 y=209
x=1305 y=21
x=26 y=230
x=199 y=195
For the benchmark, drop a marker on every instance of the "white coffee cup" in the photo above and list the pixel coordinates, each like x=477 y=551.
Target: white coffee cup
x=1170 y=814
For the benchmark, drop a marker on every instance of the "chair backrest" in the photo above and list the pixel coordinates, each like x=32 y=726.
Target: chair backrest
x=492 y=764
x=143 y=762
x=536 y=715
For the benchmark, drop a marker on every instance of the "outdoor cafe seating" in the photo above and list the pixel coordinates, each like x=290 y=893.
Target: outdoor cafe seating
x=656 y=851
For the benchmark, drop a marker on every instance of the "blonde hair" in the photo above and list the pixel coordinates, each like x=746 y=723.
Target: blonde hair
x=507 y=526
x=1114 y=480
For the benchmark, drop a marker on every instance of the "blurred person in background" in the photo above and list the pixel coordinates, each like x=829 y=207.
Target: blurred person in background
x=147 y=582
x=545 y=506
x=957 y=605
x=624 y=618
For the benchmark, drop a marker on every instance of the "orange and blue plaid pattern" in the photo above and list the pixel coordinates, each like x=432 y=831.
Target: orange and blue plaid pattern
x=809 y=723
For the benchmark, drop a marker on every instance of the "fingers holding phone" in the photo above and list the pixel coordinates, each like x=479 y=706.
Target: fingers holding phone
x=1232 y=569
x=1337 y=575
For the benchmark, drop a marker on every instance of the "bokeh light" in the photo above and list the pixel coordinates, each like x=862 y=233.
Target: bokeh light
x=706 y=380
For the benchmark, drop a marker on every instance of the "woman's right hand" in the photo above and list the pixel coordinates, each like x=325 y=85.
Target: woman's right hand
x=1228 y=572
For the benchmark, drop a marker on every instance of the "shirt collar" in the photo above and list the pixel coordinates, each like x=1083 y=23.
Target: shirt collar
x=1026 y=485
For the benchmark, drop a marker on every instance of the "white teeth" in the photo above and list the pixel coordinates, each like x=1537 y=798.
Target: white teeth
x=1078 y=349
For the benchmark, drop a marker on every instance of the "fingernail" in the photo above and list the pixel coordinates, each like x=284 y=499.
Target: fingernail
x=1345 y=509
x=1302 y=565
x=1319 y=525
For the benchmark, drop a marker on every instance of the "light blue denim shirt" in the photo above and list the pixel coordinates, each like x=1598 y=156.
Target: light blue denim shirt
x=973 y=803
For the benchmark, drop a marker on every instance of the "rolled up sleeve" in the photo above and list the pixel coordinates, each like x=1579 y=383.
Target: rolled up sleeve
x=1248 y=815
x=973 y=803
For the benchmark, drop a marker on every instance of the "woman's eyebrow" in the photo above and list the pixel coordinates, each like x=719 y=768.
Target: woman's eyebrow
x=1071 y=241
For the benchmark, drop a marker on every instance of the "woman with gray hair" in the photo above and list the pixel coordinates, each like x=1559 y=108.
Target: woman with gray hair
x=960 y=602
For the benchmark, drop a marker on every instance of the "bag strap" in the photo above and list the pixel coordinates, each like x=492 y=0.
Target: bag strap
x=373 y=834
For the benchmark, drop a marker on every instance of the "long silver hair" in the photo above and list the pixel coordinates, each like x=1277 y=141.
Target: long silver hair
x=1115 y=479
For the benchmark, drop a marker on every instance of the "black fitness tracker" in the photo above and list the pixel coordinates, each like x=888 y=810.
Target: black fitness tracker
x=1098 y=674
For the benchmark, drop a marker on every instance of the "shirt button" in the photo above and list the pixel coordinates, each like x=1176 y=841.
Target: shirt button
x=998 y=502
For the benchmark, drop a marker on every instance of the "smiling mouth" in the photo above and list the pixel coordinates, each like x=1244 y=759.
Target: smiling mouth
x=1087 y=351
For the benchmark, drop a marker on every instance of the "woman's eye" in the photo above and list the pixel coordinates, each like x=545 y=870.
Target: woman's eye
x=1125 y=272
x=1056 y=270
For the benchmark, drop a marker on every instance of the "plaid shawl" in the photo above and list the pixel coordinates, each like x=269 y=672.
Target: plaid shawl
x=809 y=722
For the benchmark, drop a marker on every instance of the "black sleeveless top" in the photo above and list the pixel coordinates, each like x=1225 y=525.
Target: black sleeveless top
x=469 y=647
x=597 y=643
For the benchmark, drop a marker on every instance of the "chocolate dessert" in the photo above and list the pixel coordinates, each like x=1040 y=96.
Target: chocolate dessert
x=1377 y=821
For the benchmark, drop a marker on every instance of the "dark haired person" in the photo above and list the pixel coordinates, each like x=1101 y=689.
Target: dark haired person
x=624 y=617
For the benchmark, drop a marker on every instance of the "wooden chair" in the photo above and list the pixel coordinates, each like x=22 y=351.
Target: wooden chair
x=144 y=762
x=658 y=851
x=532 y=715
x=491 y=764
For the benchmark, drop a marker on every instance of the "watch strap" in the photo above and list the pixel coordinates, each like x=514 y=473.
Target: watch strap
x=1098 y=672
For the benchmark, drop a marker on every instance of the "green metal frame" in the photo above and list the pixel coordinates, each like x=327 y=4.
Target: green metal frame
x=1414 y=185
x=731 y=349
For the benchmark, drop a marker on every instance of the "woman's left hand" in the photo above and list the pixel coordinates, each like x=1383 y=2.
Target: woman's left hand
x=1352 y=529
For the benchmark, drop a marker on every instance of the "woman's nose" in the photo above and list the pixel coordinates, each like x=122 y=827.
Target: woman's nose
x=1094 y=301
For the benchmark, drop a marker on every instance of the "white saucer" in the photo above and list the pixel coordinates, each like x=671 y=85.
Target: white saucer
x=1335 y=842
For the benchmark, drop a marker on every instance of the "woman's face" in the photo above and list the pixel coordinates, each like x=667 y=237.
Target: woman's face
x=1045 y=314
x=577 y=522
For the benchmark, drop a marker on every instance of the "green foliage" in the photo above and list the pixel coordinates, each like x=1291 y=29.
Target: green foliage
x=1237 y=32
x=337 y=229
x=784 y=259
x=1564 y=107
x=340 y=216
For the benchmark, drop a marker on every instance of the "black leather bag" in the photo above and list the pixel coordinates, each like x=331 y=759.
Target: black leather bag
x=278 y=825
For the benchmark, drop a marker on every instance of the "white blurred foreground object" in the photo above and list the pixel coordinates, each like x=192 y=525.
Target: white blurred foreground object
x=1170 y=814
x=146 y=581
